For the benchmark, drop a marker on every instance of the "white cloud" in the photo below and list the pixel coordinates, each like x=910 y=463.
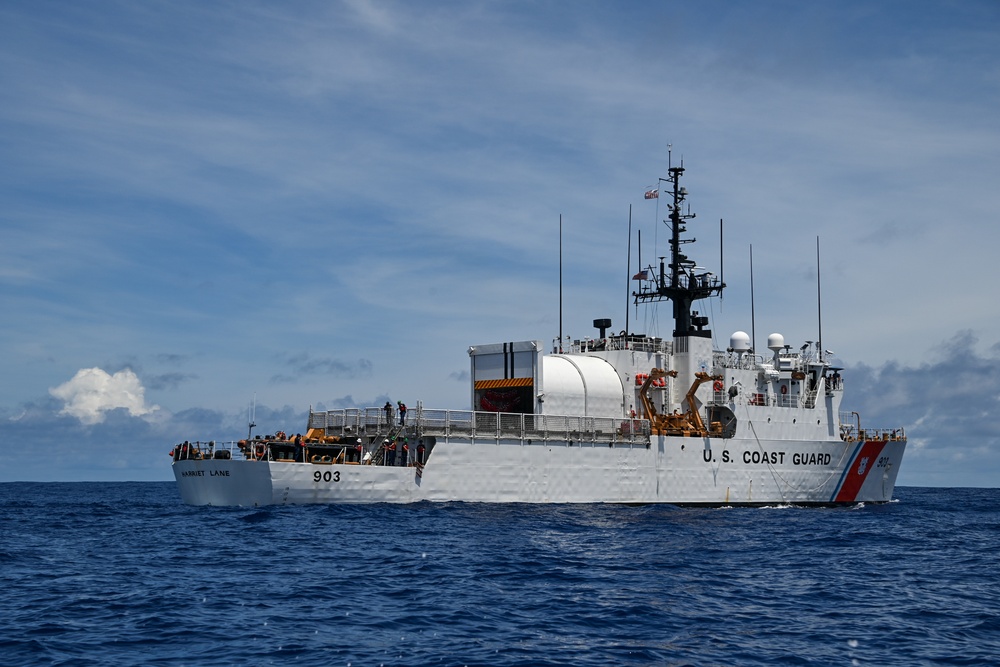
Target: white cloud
x=92 y=392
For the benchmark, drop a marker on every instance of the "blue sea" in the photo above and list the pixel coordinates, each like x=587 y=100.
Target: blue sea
x=124 y=574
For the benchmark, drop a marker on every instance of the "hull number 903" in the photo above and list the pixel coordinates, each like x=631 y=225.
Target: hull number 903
x=326 y=476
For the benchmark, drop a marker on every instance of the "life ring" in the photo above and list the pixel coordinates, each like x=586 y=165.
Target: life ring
x=718 y=386
x=258 y=451
x=784 y=389
x=280 y=435
x=640 y=378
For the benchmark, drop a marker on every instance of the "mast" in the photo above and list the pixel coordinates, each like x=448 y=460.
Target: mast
x=683 y=285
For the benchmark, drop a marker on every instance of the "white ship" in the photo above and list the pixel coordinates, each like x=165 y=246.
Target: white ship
x=621 y=418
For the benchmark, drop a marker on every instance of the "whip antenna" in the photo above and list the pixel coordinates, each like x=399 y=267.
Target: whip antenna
x=819 y=303
x=628 y=268
x=753 y=319
x=251 y=415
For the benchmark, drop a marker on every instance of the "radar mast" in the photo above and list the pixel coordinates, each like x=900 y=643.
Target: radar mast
x=686 y=282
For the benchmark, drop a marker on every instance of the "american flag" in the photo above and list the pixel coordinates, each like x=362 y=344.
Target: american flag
x=652 y=194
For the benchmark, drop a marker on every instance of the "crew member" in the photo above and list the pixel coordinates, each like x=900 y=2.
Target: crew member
x=390 y=452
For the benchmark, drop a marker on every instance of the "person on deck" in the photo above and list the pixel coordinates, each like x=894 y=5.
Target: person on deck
x=390 y=452
x=402 y=412
x=388 y=413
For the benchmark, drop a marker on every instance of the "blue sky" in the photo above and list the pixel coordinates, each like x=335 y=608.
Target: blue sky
x=325 y=204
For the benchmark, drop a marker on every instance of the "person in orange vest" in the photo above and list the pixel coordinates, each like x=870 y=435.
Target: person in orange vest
x=390 y=452
x=402 y=412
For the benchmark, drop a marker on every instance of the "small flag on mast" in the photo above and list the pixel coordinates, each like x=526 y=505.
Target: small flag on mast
x=642 y=275
x=652 y=194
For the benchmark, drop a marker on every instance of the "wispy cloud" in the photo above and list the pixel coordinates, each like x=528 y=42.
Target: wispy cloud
x=303 y=363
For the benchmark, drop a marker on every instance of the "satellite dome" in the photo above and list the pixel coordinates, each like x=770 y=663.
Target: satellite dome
x=740 y=341
x=775 y=342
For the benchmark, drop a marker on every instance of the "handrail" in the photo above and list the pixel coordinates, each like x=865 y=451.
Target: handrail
x=495 y=426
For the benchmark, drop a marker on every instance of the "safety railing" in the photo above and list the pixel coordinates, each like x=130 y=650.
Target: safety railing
x=851 y=431
x=494 y=426
x=211 y=449
x=634 y=342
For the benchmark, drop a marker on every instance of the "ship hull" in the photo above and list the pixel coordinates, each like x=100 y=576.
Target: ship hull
x=671 y=470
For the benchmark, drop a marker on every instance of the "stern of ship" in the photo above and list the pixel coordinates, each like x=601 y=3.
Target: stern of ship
x=226 y=482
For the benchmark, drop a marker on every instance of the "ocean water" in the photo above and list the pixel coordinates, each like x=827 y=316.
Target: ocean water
x=124 y=574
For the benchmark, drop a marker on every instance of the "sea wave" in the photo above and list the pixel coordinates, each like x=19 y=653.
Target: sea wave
x=121 y=574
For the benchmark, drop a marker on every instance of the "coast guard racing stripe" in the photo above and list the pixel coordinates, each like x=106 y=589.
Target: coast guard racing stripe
x=864 y=461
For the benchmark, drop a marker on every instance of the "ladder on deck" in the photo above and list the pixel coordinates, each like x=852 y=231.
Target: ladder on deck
x=378 y=458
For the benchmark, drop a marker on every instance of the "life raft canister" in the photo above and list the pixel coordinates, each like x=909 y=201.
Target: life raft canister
x=640 y=378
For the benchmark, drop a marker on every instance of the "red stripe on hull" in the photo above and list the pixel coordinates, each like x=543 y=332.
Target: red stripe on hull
x=863 y=463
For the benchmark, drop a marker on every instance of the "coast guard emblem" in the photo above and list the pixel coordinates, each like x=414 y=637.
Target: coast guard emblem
x=862 y=466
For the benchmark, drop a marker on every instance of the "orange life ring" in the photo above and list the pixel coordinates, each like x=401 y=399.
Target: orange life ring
x=258 y=451
x=784 y=389
x=718 y=386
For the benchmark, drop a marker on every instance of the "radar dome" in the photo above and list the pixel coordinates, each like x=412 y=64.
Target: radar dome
x=740 y=341
x=775 y=342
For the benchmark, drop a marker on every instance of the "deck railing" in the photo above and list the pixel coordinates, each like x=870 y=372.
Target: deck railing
x=489 y=426
x=851 y=431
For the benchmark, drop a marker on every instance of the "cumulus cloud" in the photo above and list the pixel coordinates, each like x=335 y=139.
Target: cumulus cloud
x=93 y=392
